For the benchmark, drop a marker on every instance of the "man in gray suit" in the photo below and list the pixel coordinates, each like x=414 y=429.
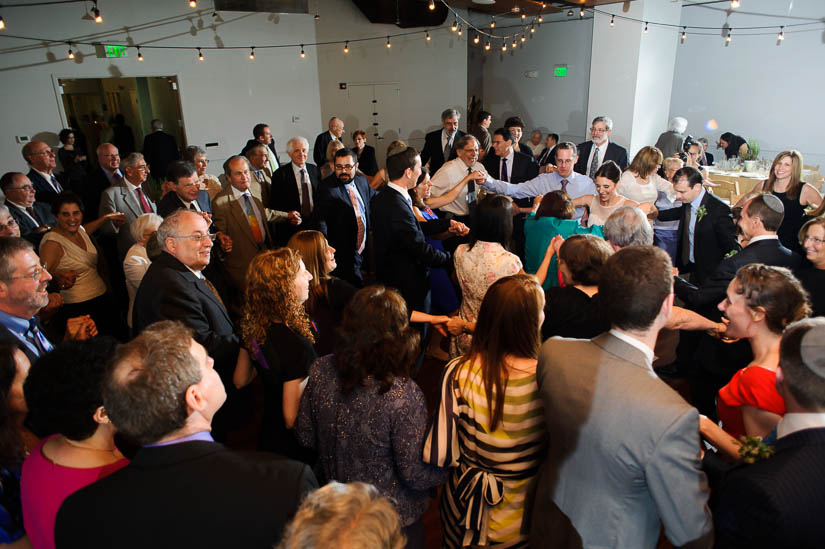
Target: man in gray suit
x=127 y=197
x=623 y=450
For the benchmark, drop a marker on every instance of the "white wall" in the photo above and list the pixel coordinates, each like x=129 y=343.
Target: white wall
x=429 y=76
x=547 y=102
x=754 y=87
x=222 y=98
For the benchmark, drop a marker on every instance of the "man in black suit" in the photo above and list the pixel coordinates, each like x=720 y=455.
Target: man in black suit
x=107 y=174
x=336 y=130
x=514 y=167
x=181 y=489
x=439 y=145
x=776 y=502
x=40 y=158
x=186 y=192
x=707 y=158
x=548 y=155
x=160 y=149
x=594 y=153
x=34 y=219
x=403 y=257
x=295 y=192
x=344 y=201
x=706 y=233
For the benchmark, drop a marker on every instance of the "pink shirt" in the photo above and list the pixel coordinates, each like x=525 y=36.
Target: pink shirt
x=43 y=487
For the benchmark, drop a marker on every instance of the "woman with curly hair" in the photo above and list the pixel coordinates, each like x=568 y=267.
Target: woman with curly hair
x=760 y=302
x=363 y=413
x=328 y=295
x=279 y=336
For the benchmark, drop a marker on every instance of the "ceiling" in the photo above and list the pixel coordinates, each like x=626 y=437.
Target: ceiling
x=530 y=7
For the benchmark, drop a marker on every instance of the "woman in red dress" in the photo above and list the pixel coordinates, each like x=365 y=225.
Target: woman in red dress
x=760 y=302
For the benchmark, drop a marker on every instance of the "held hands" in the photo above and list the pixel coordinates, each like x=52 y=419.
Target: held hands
x=458 y=229
x=556 y=243
x=455 y=325
x=547 y=168
x=80 y=328
x=207 y=217
x=225 y=241
x=439 y=322
x=65 y=279
x=720 y=330
x=294 y=217
x=118 y=219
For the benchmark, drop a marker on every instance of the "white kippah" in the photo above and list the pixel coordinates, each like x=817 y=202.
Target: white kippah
x=812 y=350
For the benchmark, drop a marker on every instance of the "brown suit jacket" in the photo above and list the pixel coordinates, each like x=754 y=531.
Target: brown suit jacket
x=229 y=217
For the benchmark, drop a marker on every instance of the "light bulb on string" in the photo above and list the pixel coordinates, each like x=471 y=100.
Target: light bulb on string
x=98 y=17
x=459 y=30
x=684 y=34
x=346 y=46
x=193 y=3
x=645 y=27
x=140 y=55
x=455 y=25
x=303 y=54
x=2 y=24
x=532 y=29
x=523 y=38
x=612 y=20
x=540 y=19
x=581 y=13
x=487 y=46
x=569 y=13
x=734 y=4
x=200 y=55
x=476 y=39
x=432 y=5
x=252 y=52
x=316 y=17
x=728 y=37
x=493 y=22
x=523 y=16
x=514 y=44
x=71 y=53
x=428 y=37
x=781 y=35
x=503 y=45
x=388 y=43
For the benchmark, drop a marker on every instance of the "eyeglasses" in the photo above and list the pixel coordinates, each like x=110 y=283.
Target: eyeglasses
x=474 y=150
x=598 y=130
x=813 y=239
x=34 y=275
x=23 y=188
x=41 y=153
x=197 y=237
x=9 y=225
x=344 y=167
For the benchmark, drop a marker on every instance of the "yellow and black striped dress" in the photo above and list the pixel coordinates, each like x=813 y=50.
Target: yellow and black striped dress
x=493 y=471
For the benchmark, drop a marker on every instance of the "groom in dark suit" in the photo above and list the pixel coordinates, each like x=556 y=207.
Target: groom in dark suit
x=777 y=502
x=589 y=159
x=162 y=393
x=345 y=227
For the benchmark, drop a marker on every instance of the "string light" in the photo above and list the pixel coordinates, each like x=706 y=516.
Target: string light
x=455 y=25
x=459 y=30
x=96 y=12
x=432 y=5
x=200 y=55
x=645 y=27
x=140 y=55
x=728 y=37
x=581 y=13
x=428 y=37
x=493 y=22
x=781 y=35
x=503 y=46
x=252 y=52
x=532 y=29
x=2 y=24
x=388 y=43
x=476 y=39
x=303 y=53
x=684 y=34
x=487 y=46
x=193 y=3
x=523 y=39
x=734 y=4
x=346 y=45
x=612 y=20
x=316 y=17
x=71 y=53
x=569 y=13
x=540 y=19
x=523 y=16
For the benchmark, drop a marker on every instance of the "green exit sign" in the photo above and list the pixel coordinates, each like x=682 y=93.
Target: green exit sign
x=115 y=51
x=560 y=71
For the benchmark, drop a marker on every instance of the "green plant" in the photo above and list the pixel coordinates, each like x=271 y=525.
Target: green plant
x=753 y=150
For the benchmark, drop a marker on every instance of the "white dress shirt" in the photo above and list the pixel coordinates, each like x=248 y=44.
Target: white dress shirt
x=297 y=171
x=793 y=422
x=577 y=185
x=447 y=177
x=602 y=151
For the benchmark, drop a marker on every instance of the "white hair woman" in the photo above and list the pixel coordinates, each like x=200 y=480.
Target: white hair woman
x=137 y=260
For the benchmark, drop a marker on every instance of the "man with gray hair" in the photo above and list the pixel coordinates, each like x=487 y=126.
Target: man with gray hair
x=671 y=141
x=162 y=392
x=597 y=151
x=628 y=226
x=294 y=191
x=440 y=145
x=127 y=197
x=776 y=502
x=335 y=132
x=453 y=173
x=160 y=149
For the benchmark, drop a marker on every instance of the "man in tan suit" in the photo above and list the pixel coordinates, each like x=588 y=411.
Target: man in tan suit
x=260 y=182
x=242 y=216
x=623 y=451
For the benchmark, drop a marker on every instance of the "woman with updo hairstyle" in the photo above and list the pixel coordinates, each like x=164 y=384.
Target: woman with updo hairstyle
x=279 y=337
x=759 y=303
x=367 y=163
x=572 y=310
x=328 y=295
x=364 y=415
x=552 y=216
x=607 y=198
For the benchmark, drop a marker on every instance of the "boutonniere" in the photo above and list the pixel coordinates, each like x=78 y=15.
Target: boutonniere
x=753 y=449
x=700 y=213
x=730 y=254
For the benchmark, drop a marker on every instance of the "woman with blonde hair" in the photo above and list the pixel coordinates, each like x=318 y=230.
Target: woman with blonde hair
x=279 y=336
x=785 y=183
x=329 y=168
x=328 y=295
x=489 y=426
x=640 y=182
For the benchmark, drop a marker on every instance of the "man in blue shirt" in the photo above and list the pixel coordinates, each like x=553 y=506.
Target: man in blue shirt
x=565 y=179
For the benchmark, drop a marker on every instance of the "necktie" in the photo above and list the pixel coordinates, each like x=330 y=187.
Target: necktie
x=306 y=204
x=447 y=148
x=192 y=207
x=32 y=335
x=686 y=238
x=144 y=205
x=257 y=233
x=504 y=176
x=564 y=185
x=594 y=164
x=471 y=191
x=56 y=184
x=34 y=215
x=361 y=232
x=259 y=175
x=213 y=289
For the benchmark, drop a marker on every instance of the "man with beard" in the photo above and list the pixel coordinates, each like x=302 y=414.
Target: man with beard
x=592 y=154
x=344 y=205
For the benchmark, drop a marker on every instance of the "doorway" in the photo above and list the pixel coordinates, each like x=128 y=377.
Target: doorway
x=94 y=104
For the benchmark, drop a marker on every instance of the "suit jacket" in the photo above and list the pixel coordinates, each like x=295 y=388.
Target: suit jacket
x=191 y=494
x=547 y=156
x=403 y=256
x=43 y=190
x=433 y=150
x=319 y=151
x=91 y=193
x=120 y=198
x=610 y=477
x=524 y=169
x=367 y=162
x=714 y=236
x=707 y=296
x=170 y=291
x=7 y=336
x=338 y=223
x=27 y=226
x=775 y=502
x=160 y=150
x=229 y=217
x=284 y=197
x=260 y=189
x=616 y=153
x=172 y=202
